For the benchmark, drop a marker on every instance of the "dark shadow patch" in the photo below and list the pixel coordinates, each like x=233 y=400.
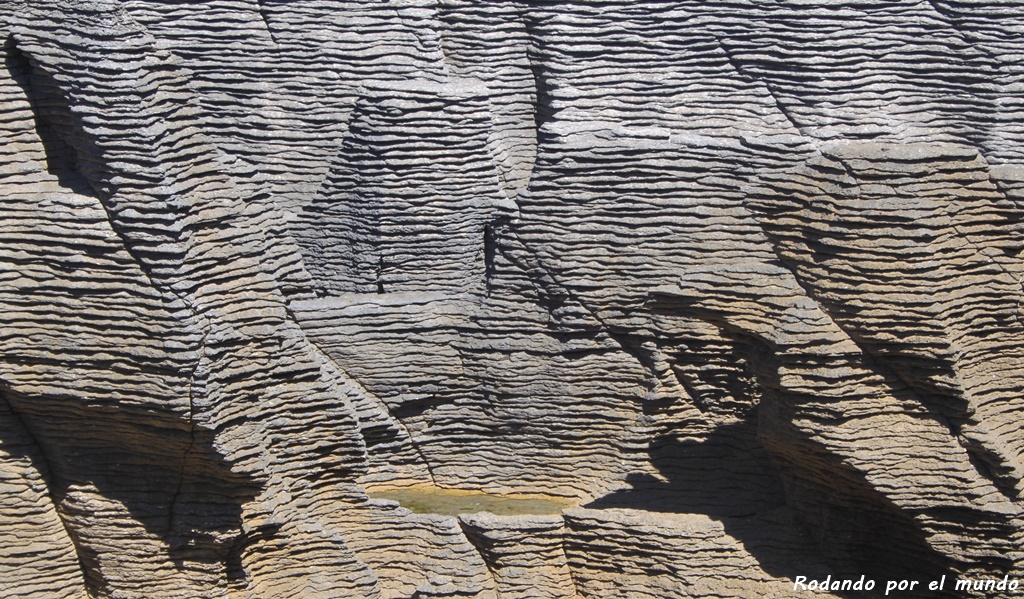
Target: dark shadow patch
x=167 y=474
x=723 y=473
x=51 y=113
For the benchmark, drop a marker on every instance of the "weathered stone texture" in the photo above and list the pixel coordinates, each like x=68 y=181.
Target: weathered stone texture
x=742 y=280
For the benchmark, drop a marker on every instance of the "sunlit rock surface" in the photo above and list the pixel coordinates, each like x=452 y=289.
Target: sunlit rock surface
x=734 y=287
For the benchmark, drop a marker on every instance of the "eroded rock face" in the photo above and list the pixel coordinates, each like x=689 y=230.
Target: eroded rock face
x=742 y=280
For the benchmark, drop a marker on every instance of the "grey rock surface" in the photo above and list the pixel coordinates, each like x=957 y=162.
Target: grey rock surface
x=742 y=281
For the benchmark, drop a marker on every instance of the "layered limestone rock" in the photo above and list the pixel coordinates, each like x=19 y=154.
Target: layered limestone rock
x=740 y=281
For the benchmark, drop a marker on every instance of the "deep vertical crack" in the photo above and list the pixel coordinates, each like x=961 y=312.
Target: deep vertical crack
x=262 y=9
x=192 y=436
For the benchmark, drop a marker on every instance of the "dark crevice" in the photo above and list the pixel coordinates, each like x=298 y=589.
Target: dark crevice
x=489 y=253
x=262 y=9
x=542 y=85
x=190 y=447
x=378 y=274
x=491 y=242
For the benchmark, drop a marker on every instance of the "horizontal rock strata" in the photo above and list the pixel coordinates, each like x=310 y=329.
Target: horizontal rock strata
x=740 y=281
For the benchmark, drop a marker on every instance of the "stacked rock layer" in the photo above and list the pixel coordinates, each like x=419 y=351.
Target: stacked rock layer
x=742 y=281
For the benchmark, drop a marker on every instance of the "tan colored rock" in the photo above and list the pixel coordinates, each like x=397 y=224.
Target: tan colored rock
x=740 y=279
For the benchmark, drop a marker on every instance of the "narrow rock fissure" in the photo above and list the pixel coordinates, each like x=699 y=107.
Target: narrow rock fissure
x=542 y=92
x=378 y=275
x=192 y=438
x=488 y=257
x=262 y=9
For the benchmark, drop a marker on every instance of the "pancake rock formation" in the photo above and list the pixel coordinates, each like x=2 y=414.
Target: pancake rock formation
x=736 y=286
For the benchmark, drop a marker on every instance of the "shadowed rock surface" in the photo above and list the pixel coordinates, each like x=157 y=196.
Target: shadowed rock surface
x=739 y=282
